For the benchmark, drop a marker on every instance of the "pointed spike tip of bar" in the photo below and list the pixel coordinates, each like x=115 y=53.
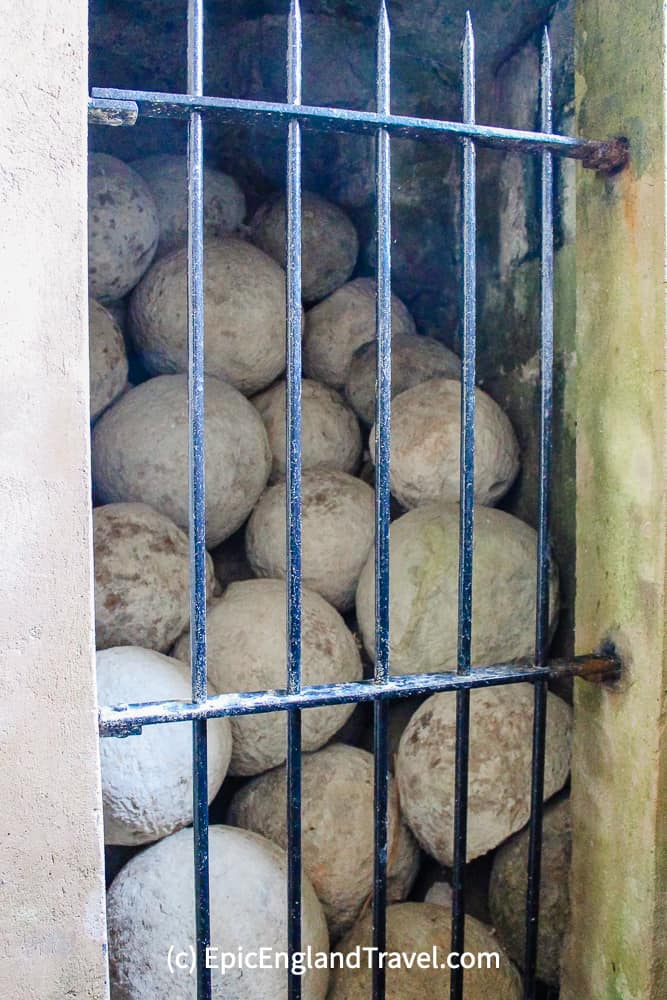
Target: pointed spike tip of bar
x=383 y=16
x=469 y=38
x=546 y=45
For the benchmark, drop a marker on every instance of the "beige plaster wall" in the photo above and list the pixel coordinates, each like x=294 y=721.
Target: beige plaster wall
x=51 y=883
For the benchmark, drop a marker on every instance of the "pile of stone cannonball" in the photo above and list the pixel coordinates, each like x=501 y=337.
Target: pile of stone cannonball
x=139 y=441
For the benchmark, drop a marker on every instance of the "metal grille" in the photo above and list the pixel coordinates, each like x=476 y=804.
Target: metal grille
x=122 y=107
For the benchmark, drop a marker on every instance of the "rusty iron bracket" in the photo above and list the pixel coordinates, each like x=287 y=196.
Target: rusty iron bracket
x=609 y=156
x=604 y=667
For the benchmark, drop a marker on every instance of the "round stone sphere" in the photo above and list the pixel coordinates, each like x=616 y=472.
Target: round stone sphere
x=329 y=242
x=423 y=600
x=341 y=324
x=337 y=829
x=123 y=227
x=330 y=434
x=147 y=779
x=246 y=652
x=507 y=892
x=413 y=360
x=151 y=909
x=244 y=314
x=426 y=442
x=140 y=452
x=108 y=360
x=413 y=929
x=501 y=744
x=337 y=531
x=141 y=577
x=167 y=178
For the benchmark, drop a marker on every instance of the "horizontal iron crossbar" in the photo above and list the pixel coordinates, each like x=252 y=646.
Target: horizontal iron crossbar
x=608 y=155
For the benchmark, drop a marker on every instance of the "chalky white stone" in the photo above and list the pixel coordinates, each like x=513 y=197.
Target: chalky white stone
x=147 y=779
x=108 y=360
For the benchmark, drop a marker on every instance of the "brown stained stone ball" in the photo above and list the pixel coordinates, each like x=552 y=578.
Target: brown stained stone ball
x=424 y=556
x=501 y=745
x=141 y=577
x=140 y=452
x=167 y=178
x=108 y=360
x=329 y=242
x=507 y=891
x=244 y=314
x=330 y=434
x=151 y=915
x=426 y=442
x=341 y=324
x=246 y=652
x=415 y=929
x=338 y=527
x=123 y=227
x=413 y=360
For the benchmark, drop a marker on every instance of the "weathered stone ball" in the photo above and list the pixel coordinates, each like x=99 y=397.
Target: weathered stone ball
x=426 y=442
x=151 y=909
x=329 y=242
x=337 y=829
x=140 y=452
x=147 y=779
x=501 y=744
x=108 y=360
x=141 y=577
x=244 y=314
x=342 y=323
x=440 y=893
x=507 y=891
x=413 y=360
x=330 y=434
x=167 y=178
x=337 y=531
x=123 y=227
x=415 y=929
x=246 y=652
x=423 y=600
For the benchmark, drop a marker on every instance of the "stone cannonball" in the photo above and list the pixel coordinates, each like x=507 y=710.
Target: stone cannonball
x=167 y=178
x=147 y=779
x=244 y=314
x=426 y=442
x=151 y=909
x=108 y=360
x=246 y=652
x=329 y=242
x=140 y=452
x=123 y=227
x=501 y=745
x=337 y=531
x=424 y=555
x=415 y=928
x=413 y=360
x=330 y=434
x=141 y=577
x=341 y=324
x=337 y=829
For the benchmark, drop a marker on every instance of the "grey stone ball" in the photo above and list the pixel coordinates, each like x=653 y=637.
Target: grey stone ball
x=147 y=779
x=167 y=178
x=337 y=531
x=151 y=909
x=329 y=242
x=123 y=227
x=337 y=829
x=141 y=577
x=140 y=452
x=246 y=652
x=501 y=745
x=108 y=360
x=244 y=314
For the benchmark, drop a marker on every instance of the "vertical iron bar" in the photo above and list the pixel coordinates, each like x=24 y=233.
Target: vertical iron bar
x=466 y=525
x=543 y=562
x=293 y=484
x=382 y=459
x=197 y=536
